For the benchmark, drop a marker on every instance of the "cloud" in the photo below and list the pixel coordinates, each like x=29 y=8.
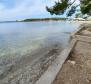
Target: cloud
x=21 y=9
x=24 y=9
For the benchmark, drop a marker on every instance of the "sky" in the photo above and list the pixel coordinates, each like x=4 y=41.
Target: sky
x=22 y=9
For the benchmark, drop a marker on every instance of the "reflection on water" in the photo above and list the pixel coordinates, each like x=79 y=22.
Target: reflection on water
x=31 y=44
x=18 y=39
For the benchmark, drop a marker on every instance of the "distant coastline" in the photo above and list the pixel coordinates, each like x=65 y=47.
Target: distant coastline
x=8 y=21
x=44 y=19
x=36 y=19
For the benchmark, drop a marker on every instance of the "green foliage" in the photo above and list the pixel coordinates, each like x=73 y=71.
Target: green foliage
x=86 y=7
x=78 y=15
x=59 y=7
x=43 y=19
x=71 y=11
x=68 y=5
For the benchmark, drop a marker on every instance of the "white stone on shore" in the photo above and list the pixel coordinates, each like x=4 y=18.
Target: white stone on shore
x=72 y=62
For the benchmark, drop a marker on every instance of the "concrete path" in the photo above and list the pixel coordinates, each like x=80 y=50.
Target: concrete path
x=52 y=71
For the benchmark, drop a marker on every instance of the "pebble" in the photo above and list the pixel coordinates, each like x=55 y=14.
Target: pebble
x=72 y=62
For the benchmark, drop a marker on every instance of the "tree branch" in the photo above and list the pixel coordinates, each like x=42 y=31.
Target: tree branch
x=72 y=3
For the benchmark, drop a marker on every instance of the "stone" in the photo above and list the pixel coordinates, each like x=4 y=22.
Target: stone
x=72 y=62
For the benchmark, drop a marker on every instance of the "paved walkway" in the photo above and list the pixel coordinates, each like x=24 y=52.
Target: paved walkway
x=77 y=68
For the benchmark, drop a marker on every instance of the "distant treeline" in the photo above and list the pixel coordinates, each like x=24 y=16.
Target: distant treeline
x=44 y=19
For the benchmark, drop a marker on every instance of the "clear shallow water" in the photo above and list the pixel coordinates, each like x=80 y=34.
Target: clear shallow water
x=18 y=39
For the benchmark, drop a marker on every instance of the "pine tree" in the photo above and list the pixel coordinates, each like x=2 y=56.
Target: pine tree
x=70 y=7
